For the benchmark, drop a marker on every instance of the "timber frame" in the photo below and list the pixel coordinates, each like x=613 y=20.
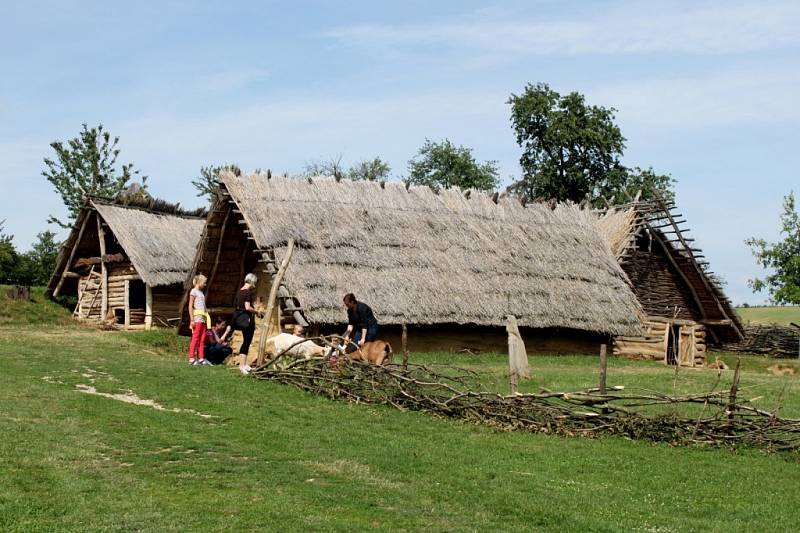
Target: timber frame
x=683 y=300
x=96 y=266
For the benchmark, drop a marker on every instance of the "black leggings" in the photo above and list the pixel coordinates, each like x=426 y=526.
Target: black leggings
x=247 y=335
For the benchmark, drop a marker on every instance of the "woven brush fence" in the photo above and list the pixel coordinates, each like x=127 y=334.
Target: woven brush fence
x=451 y=392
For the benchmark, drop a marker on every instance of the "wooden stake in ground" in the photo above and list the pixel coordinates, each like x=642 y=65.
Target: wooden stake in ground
x=517 y=356
x=273 y=295
x=404 y=342
x=603 y=368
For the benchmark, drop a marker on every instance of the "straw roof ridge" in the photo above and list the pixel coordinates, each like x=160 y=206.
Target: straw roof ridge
x=154 y=205
x=426 y=257
x=161 y=246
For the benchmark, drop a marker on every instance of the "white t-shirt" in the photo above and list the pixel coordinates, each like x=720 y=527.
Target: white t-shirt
x=199 y=303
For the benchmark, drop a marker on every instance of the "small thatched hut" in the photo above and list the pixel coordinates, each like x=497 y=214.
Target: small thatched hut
x=127 y=262
x=450 y=264
x=685 y=307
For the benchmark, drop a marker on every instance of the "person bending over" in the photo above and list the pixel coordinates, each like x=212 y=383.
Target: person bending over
x=361 y=323
x=217 y=349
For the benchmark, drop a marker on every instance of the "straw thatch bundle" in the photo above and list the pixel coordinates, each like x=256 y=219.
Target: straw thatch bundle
x=432 y=258
x=161 y=246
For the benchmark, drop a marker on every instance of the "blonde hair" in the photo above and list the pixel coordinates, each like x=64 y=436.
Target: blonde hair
x=199 y=279
x=251 y=278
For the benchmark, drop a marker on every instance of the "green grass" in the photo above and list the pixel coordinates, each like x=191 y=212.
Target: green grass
x=271 y=457
x=770 y=315
x=39 y=310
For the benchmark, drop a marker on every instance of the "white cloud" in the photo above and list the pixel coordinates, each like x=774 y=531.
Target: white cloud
x=631 y=27
x=743 y=94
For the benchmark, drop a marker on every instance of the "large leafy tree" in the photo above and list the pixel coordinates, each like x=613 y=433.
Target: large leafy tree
x=781 y=258
x=86 y=166
x=207 y=183
x=571 y=150
x=8 y=256
x=36 y=266
x=374 y=169
x=445 y=165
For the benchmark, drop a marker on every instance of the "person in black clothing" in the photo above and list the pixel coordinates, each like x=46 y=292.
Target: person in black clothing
x=361 y=323
x=245 y=312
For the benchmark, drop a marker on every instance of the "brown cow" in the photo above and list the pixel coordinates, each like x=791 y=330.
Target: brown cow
x=376 y=352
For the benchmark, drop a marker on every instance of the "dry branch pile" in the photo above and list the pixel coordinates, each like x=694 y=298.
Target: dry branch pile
x=768 y=339
x=453 y=392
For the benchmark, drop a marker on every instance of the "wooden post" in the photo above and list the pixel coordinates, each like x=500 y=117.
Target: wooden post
x=68 y=264
x=603 y=368
x=127 y=304
x=734 y=390
x=273 y=294
x=404 y=342
x=101 y=234
x=517 y=355
x=148 y=307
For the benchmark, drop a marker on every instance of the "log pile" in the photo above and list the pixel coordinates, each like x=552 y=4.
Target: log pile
x=452 y=392
x=768 y=339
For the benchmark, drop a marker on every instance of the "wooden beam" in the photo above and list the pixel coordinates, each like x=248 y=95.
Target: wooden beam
x=68 y=264
x=148 y=307
x=101 y=237
x=127 y=303
x=273 y=293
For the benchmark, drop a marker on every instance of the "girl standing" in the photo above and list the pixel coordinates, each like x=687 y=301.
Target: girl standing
x=244 y=318
x=200 y=321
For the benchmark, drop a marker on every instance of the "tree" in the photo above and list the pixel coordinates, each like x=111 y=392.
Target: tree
x=86 y=166
x=572 y=150
x=374 y=169
x=445 y=165
x=8 y=256
x=207 y=183
x=37 y=265
x=782 y=258
x=332 y=166
x=623 y=184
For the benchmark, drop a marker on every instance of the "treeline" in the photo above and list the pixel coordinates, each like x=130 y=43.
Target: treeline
x=33 y=267
x=570 y=150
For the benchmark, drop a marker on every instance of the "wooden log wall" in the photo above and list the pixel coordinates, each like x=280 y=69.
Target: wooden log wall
x=89 y=298
x=690 y=343
x=119 y=275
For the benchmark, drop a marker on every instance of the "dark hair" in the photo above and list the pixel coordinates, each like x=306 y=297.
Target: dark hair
x=349 y=297
x=220 y=319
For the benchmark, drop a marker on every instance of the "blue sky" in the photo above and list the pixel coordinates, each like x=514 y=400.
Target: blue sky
x=705 y=91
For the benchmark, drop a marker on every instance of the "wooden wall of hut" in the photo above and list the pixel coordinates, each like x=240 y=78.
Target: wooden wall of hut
x=671 y=341
x=658 y=286
x=166 y=305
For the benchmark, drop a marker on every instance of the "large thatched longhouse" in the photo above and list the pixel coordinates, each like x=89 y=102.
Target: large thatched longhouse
x=685 y=306
x=127 y=263
x=452 y=264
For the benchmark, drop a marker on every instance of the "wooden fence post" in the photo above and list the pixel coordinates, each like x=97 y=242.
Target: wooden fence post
x=517 y=355
x=603 y=368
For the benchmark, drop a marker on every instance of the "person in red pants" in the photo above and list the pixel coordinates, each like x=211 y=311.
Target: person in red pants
x=199 y=323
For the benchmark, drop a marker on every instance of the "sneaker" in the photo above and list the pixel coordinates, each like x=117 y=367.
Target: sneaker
x=244 y=369
x=193 y=362
x=248 y=368
x=206 y=362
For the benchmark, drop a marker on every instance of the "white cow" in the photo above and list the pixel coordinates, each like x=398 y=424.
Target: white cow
x=307 y=349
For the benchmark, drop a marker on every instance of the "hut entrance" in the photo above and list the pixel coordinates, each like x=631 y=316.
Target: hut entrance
x=673 y=344
x=137 y=298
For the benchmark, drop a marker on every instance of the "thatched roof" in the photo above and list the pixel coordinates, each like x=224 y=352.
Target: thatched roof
x=161 y=246
x=626 y=227
x=423 y=257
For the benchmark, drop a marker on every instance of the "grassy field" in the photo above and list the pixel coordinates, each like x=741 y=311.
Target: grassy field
x=112 y=431
x=770 y=315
